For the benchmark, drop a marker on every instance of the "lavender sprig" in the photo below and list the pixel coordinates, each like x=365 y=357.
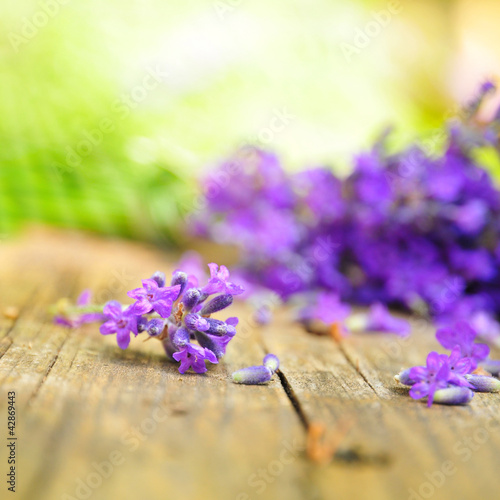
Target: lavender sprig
x=177 y=315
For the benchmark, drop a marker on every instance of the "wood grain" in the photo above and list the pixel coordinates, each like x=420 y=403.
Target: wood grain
x=83 y=403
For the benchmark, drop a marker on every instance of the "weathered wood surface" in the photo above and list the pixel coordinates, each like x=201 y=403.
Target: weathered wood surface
x=82 y=403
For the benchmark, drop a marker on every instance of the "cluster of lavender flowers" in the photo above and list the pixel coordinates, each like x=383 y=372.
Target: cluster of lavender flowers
x=177 y=315
x=450 y=379
x=408 y=230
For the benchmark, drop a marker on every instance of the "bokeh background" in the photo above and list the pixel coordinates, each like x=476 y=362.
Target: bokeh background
x=111 y=110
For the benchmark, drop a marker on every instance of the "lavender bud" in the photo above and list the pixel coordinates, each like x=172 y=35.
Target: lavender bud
x=141 y=323
x=155 y=327
x=220 y=328
x=196 y=322
x=179 y=278
x=482 y=383
x=453 y=396
x=404 y=377
x=217 y=304
x=159 y=277
x=272 y=362
x=180 y=338
x=215 y=345
x=491 y=365
x=191 y=298
x=253 y=375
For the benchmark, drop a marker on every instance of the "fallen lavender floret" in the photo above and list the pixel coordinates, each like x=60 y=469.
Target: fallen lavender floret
x=491 y=366
x=253 y=375
x=177 y=315
x=453 y=396
x=272 y=362
x=404 y=378
x=483 y=383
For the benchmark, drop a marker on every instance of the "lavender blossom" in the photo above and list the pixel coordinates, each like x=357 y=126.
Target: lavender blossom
x=428 y=379
x=119 y=321
x=152 y=297
x=184 y=316
x=219 y=281
x=193 y=356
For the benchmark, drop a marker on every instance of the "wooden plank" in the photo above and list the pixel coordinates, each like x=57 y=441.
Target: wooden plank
x=83 y=402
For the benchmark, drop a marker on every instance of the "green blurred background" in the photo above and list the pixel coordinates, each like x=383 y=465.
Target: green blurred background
x=110 y=110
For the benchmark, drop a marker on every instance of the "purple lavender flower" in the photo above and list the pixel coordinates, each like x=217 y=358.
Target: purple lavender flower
x=119 y=321
x=185 y=316
x=152 y=297
x=219 y=281
x=380 y=320
x=430 y=378
x=194 y=356
x=463 y=335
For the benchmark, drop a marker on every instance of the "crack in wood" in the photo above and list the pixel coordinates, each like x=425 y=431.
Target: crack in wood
x=293 y=399
x=356 y=367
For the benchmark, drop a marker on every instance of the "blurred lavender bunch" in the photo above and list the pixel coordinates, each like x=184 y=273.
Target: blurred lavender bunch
x=406 y=230
x=177 y=315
